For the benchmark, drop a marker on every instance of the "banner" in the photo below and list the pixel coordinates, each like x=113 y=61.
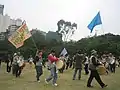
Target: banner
x=19 y=36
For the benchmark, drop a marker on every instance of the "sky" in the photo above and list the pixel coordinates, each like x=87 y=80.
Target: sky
x=44 y=14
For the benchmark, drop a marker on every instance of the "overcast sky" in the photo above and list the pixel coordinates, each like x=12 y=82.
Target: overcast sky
x=44 y=14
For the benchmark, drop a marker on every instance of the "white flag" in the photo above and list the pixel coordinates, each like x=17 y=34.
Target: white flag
x=64 y=52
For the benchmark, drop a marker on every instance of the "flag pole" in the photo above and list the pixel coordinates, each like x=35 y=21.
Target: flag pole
x=96 y=32
x=32 y=38
x=34 y=42
x=102 y=29
x=35 y=45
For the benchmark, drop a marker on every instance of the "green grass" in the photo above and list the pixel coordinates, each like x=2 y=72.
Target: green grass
x=27 y=81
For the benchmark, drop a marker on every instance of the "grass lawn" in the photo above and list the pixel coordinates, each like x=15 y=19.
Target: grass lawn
x=27 y=81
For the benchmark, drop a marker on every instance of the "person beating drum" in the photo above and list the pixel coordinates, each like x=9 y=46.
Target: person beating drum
x=52 y=67
x=93 y=69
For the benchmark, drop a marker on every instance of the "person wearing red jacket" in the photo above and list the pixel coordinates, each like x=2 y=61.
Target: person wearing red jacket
x=52 y=67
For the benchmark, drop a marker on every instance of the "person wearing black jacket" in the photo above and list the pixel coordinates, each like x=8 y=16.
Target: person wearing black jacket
x=78 y=65
x=94 y=73
x=9 y=63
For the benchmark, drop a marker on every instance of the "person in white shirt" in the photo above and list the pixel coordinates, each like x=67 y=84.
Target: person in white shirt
x=86 y=63
x=112 y=63
x=30 y=60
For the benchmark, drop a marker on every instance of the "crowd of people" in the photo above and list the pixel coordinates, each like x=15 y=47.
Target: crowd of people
x=16 y=63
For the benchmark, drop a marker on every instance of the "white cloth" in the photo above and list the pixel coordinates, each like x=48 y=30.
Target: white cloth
x=87 y=60
x=64 y=52
x=31 y=59
x=112 y=60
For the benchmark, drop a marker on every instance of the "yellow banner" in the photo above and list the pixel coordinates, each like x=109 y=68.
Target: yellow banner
x=19 y=36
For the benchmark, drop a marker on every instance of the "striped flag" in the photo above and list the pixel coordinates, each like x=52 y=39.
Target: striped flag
x=64 y=52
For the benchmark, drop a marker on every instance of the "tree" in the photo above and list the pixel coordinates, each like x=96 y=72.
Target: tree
x=66 y=28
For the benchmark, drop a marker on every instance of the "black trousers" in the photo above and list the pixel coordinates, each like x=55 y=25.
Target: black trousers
x=70 y=64
x=94 y=74
x=18 y=71
x=43 y=63
x=8 y=68
x=62 y=69
x=79 y=73
x=13 y=69
x=112 y=68
x=39 y=72
x=67 y=65
x=86 y=69
x=0 y=63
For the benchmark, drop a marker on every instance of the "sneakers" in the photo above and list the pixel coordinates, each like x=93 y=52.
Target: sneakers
x=55 y=84
x=104 y=86
x=38 y=81
x=89 y=86
x=46 y=81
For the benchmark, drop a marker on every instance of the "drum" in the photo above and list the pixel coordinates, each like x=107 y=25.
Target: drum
x=101 y=70
x=59 y=64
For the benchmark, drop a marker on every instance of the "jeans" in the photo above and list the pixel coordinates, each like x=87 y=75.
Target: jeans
x=39 y=72
x=53 y=75
x=75 y=72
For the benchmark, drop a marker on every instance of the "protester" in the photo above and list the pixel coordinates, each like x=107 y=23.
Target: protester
x=9 y=63
x=112 y=63
x=86 y=63
x=15 y=64
x=78 y=65
x=20 y=64
x=94 y=73
x=30 y=60
x=38 y=65
x=67 y=59
x=52 y=67
x=0 y=62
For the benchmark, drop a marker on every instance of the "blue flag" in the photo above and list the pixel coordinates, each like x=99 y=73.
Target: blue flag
x=96 y=21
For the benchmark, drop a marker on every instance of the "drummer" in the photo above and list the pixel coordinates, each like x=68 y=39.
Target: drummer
x=52 y=66
x=30 y=60
x=14 y=64
x=94 y=72
x=112 y=63
x=20 y=64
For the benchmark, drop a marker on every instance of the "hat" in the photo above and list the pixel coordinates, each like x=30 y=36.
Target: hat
x=93 y=52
